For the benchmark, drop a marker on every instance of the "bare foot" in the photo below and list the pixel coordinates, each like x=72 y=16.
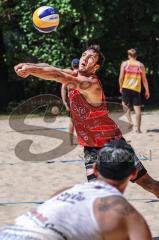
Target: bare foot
x=130 y=126
x=138 y=131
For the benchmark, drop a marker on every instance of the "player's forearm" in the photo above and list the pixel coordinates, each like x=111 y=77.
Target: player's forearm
x=68 y=71
x=54 y=74
x=144 y=78
x=39 y=64
x=64 y=99
x=63 y=94
x=50 y=73
x=146 y=86
x=47 y=73
x=42 y=64
x=121 y=75
x=121 y=78
x=120 y=82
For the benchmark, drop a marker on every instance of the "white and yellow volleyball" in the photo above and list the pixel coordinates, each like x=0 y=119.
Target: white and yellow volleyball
x=46 y=19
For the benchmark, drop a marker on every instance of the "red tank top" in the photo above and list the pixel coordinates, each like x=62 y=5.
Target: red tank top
x=93 y=126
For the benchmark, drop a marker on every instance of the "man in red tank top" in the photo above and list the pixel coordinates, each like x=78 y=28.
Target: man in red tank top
x=88 y=109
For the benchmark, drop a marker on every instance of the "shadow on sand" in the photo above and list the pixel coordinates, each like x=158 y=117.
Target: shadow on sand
x=153 y=130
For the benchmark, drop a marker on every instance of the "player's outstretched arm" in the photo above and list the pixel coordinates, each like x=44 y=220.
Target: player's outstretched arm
x=86 y=85
x=47 y=73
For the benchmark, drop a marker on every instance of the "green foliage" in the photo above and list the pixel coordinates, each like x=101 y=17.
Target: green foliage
x=116 y=25
x=53 y=48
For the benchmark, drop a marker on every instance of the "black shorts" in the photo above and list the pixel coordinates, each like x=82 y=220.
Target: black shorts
x=90 y=157
x=130 y=97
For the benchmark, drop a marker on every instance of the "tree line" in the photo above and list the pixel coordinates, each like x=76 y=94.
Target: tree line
x=115 y=25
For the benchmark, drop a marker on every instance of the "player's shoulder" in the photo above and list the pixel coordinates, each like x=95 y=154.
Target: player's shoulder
x=117 y=204
x=139 y=63
x=124 y=63
x=115 y=208
x=142 y=66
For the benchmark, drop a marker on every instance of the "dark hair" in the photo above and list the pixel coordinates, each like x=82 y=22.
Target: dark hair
x=101 y=58
x=116 y=160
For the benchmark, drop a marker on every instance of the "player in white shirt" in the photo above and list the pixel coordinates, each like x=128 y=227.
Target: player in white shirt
x=91 y=211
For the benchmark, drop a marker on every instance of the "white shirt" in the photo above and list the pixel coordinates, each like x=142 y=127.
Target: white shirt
x=69 y=215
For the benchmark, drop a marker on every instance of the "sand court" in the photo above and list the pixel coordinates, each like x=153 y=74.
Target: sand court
x=25 y=183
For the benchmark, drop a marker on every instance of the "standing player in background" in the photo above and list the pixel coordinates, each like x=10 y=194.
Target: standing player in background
x=93 y=125
x=132 y=74
x=65 y=99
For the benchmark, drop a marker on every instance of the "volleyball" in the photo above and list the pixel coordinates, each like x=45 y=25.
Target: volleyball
x=46 y=19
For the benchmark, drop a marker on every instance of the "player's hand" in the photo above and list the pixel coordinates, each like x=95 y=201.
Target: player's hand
x=19 y=66
x=22 y=70
x=147 y=94
x=67 y=109
x=121 y=90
